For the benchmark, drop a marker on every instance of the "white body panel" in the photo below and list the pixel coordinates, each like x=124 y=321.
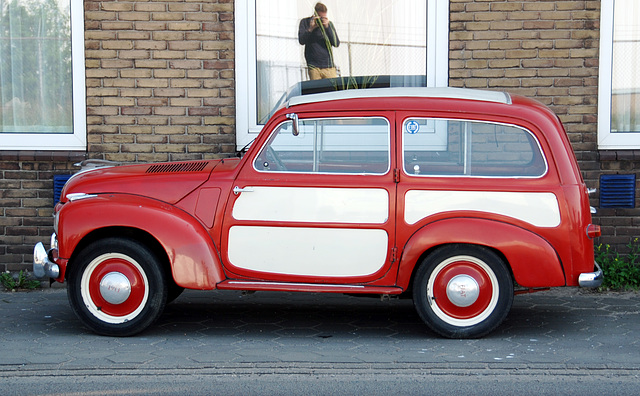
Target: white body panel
x=538 y=209
x=314 y=205
x=330 y=252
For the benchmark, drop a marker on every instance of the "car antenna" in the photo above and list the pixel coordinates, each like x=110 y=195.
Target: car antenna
x=244 y=149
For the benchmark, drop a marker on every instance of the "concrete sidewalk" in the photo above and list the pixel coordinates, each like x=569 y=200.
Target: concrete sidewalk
x=560 y=329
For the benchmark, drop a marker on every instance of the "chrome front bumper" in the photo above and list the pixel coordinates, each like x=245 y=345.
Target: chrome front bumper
x=42 y=264
x=591 y=279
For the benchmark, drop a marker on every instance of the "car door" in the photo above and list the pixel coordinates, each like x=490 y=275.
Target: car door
x=316 y=204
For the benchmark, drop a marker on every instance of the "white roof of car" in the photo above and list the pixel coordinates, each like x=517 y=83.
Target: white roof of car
x=414 y=92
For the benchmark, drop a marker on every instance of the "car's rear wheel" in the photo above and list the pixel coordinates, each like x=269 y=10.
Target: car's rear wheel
x=117 y=287
x=463 y=291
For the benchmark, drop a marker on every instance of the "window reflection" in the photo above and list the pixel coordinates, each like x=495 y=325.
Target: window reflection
x=625 y=84
x=377 y=37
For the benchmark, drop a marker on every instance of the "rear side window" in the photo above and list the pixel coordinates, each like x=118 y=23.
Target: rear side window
x=444 y=147
x=330 y=145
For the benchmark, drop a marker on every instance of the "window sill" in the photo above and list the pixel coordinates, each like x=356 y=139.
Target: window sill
x=41 y=155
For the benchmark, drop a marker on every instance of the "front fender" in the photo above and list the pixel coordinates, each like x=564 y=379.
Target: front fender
x=533 y=261
x=192 y=255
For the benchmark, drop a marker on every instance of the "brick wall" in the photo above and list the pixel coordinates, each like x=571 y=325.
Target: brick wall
x=160 y=80
x=26 y=202
x=547 y=50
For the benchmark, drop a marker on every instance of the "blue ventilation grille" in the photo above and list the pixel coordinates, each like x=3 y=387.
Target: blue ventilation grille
x=617 y=191
x=58 y=183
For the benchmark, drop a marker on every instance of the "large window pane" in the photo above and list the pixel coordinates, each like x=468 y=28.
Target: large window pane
x=377 y=37
x=35 y=67
x=625 y=79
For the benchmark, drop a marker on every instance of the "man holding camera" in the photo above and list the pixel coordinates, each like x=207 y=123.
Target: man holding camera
x=318 y=35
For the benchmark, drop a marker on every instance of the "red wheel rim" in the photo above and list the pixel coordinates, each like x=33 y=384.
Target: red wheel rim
x=135 y=278
x=469 y=269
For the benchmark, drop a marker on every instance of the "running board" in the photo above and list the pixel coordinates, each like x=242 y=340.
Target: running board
x=306 y=287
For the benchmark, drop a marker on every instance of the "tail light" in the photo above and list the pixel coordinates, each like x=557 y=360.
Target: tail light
x=593 y=231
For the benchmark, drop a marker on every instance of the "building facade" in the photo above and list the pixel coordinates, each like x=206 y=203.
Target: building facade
x=178 y=80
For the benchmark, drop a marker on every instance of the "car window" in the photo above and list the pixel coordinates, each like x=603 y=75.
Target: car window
x=328 y=145
x=433 y=147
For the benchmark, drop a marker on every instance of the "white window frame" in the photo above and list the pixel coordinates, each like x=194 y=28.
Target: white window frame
x=62 y=141
x=606 y=139
x=246 y=81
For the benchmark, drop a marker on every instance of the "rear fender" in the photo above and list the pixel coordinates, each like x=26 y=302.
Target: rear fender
x=533 y=261
x=194 y=259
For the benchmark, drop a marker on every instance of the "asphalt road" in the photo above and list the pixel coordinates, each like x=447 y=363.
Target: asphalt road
x=392 y=382
x=564 y=341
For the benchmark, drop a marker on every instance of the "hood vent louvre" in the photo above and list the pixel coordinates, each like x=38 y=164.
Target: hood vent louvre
x=178 y=167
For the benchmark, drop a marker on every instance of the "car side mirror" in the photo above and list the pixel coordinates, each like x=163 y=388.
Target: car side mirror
x=294 y=117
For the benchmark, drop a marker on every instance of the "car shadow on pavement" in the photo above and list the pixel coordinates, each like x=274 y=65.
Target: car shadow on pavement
x=274 y=315
x=278 y=314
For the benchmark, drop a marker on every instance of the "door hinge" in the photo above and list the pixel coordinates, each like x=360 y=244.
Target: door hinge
x=396 y=175
x=394 y=254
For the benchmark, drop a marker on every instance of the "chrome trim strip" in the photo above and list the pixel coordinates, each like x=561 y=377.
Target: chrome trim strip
x=295 y=284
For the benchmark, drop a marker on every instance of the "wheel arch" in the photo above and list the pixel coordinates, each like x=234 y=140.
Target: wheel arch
x=513 y=244
x=135 y=234
x=432 y=249
x=171 y=233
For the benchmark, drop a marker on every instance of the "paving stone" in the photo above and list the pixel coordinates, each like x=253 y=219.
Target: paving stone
x=556 y=329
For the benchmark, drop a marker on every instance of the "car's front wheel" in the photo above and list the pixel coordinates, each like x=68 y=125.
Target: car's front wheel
x=463 y=291
x=117 y=287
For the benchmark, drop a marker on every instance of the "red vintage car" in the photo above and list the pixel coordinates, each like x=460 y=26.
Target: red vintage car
x=456 y=198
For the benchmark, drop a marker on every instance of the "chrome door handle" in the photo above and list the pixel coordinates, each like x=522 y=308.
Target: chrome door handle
x=237 y=190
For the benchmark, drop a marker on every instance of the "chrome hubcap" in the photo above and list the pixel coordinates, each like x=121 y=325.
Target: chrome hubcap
x=463 y=290
x=115 y=288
